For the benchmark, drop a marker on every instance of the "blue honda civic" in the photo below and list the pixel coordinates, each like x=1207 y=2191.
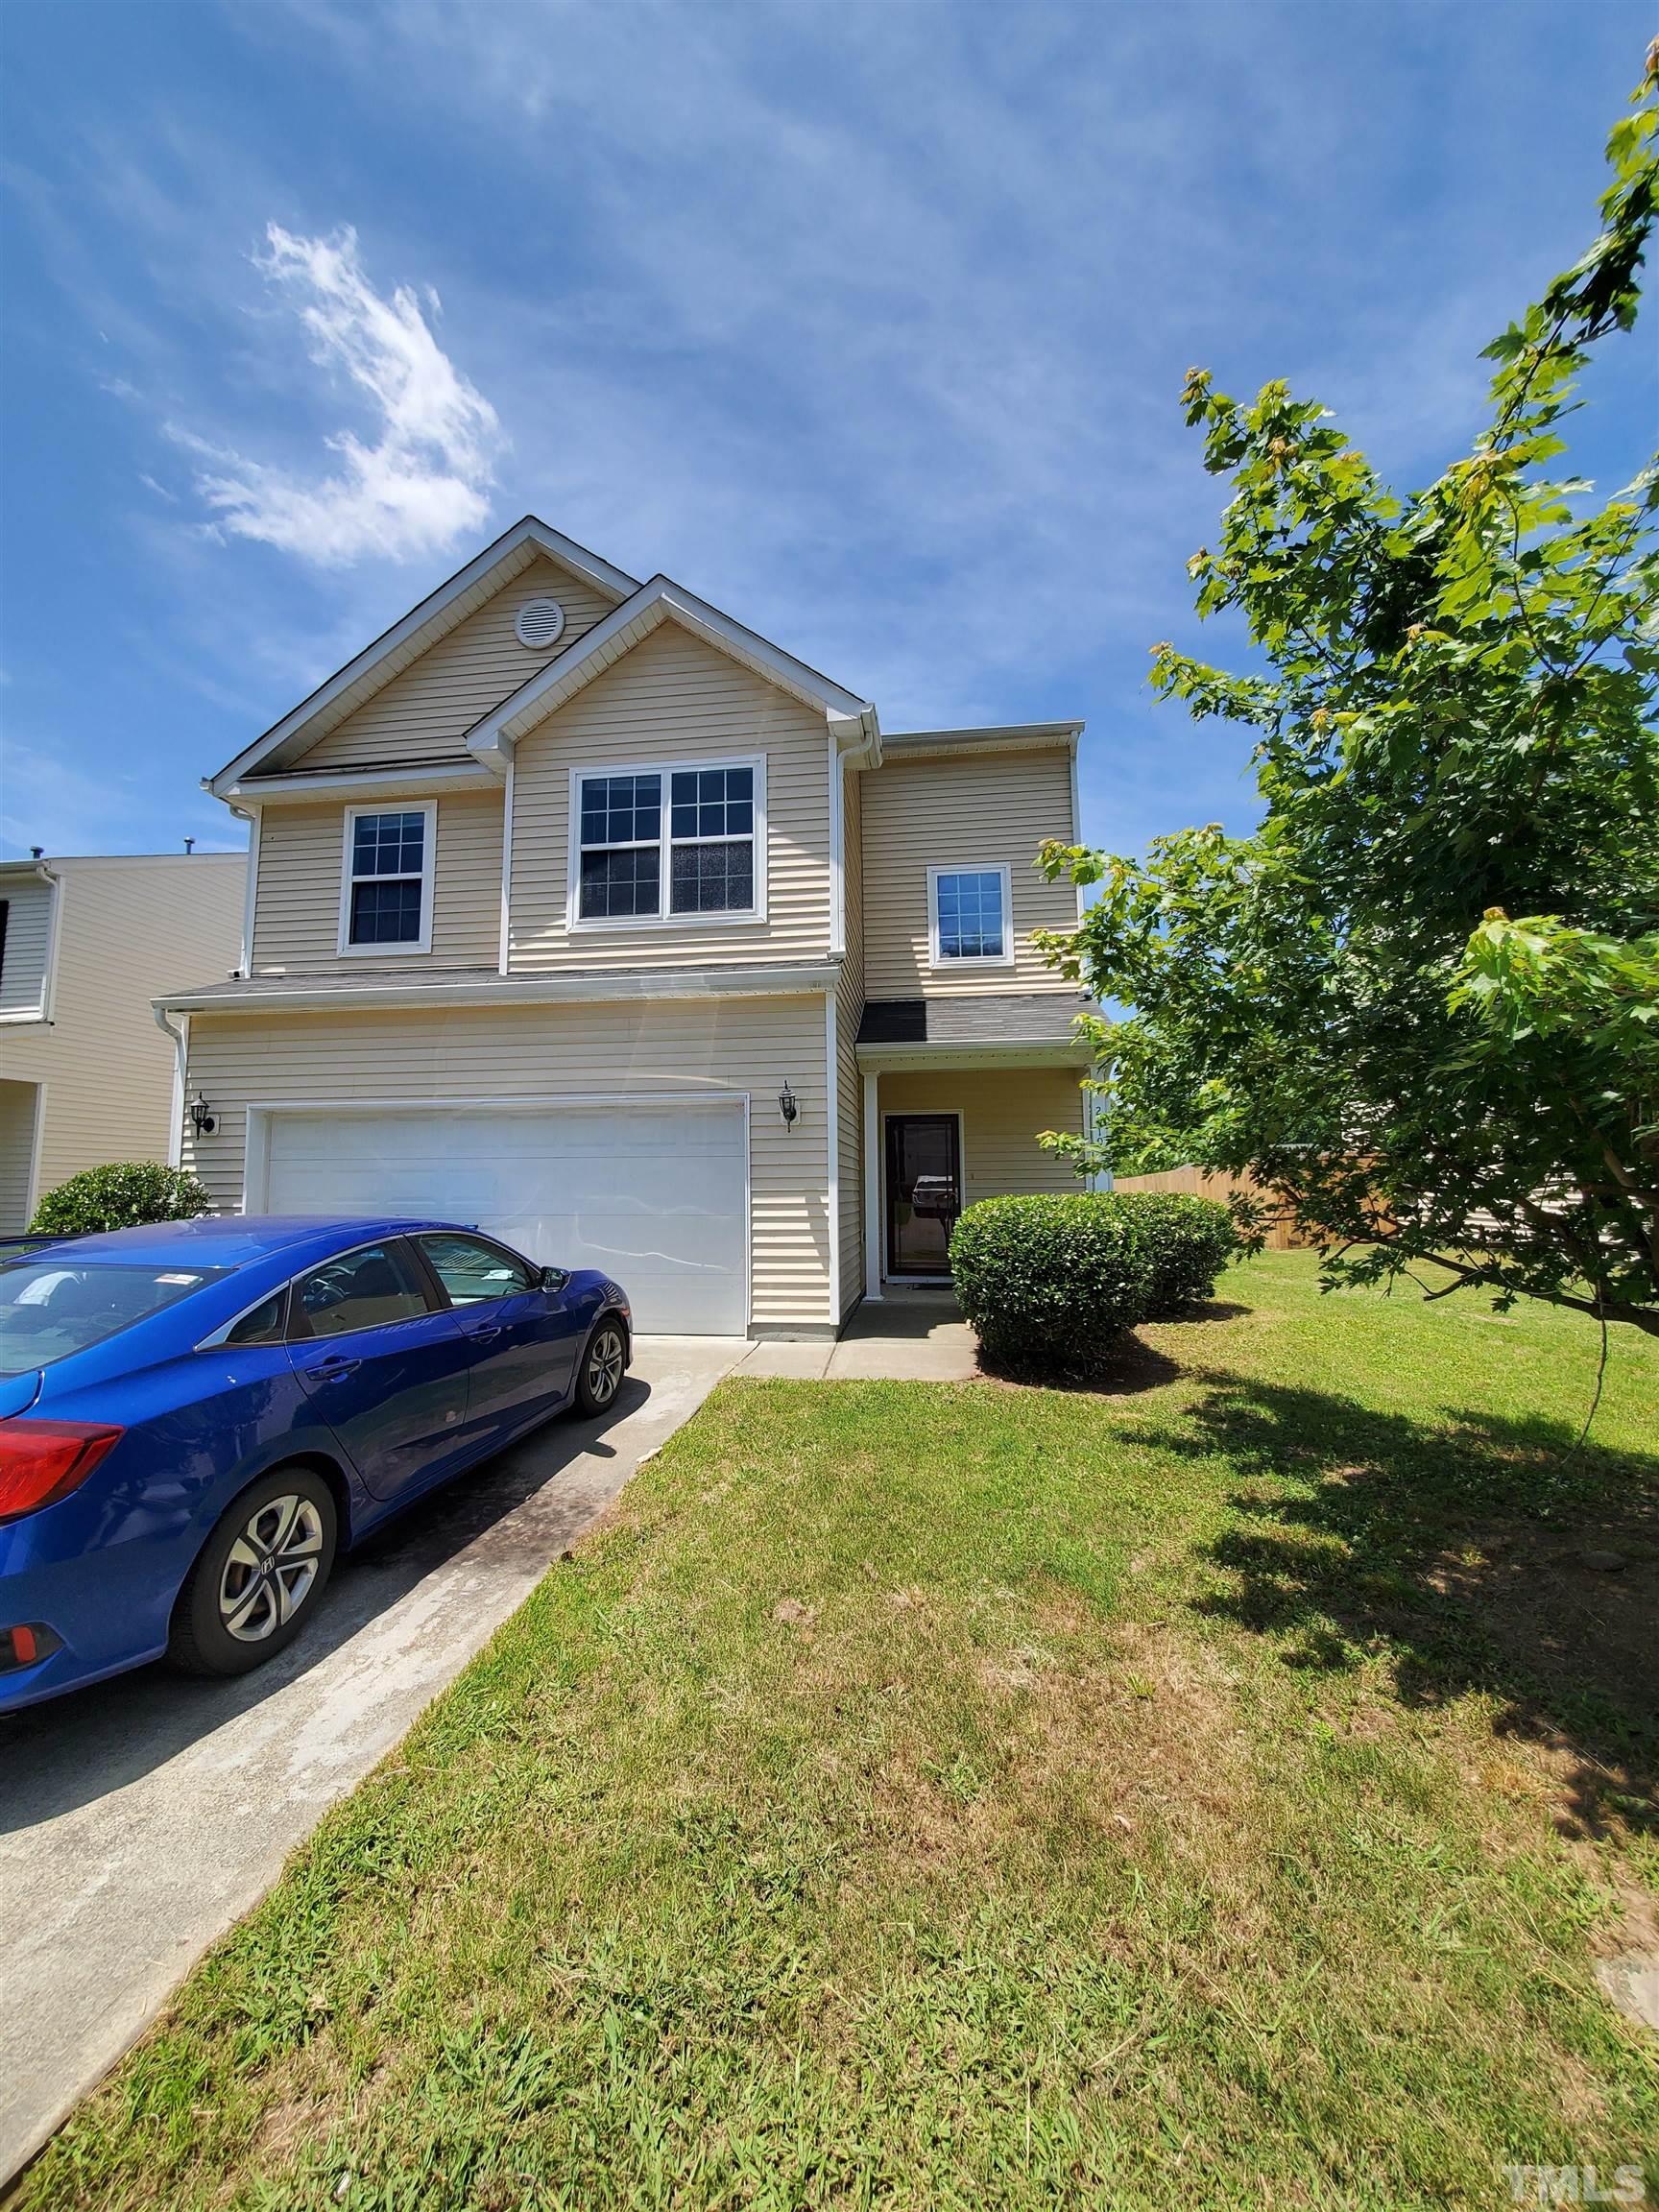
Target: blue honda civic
x=196 y=1418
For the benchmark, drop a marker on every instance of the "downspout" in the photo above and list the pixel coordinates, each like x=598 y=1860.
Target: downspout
x=181 y=1054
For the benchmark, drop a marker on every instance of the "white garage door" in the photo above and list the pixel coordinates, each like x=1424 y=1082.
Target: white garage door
x=655 y=1195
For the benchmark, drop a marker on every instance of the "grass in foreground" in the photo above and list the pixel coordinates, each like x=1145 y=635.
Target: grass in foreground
x=1210 y=1794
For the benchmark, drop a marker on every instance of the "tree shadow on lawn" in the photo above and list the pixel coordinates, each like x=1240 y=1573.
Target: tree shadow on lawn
x=1458 y=1550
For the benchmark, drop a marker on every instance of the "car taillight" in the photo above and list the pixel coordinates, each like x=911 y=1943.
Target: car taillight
x=41 y=1461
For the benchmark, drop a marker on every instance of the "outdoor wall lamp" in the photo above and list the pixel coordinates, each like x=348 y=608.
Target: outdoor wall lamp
x=787 y=1105
x=201 y=1116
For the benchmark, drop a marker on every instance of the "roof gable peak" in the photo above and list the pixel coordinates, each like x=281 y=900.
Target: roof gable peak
x=403 y=643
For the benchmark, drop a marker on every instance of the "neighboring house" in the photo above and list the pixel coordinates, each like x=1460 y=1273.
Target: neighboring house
x=585 y=913
x=85 y=1076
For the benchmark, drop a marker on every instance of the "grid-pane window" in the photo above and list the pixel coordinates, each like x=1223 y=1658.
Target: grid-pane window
x=714 y=878
x=621 y=863
x=971 y=923
x=388 y=863
x=712 y=820
x=666 y=841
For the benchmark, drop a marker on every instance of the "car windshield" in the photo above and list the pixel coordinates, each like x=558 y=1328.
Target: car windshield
x=51 y=1308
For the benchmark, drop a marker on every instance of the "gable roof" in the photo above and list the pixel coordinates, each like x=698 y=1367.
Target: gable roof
x=391 y=653
x=661 y=600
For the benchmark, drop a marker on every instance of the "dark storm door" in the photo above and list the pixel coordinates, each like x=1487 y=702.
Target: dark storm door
x=923 y=1191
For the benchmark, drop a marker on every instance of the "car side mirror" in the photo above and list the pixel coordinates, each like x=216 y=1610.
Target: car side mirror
x=555 y=1278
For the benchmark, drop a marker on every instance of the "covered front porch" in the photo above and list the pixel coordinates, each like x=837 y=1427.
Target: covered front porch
x=957 y=1091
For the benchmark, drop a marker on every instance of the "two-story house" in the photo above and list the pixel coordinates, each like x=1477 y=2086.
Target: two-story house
x=580 y=912
x=85 y=942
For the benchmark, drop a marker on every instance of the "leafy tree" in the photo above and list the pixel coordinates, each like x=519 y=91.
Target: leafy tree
x=1422 y=1001
x=123 y=1194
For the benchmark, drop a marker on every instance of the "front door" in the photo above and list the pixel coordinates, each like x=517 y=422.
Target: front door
x=923 y=1191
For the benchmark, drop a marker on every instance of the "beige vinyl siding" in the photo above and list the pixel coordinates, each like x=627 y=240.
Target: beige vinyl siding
x=724 y=1045
x=18 y=1103
x=1004 y=1110
x=961 y=810
x=426 y=710
x=849 y=1088
x=28 y=935
x=128 y=932
x=673 y=698
x=301 y=859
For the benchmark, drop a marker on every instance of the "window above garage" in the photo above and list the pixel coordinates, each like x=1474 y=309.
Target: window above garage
x=386 y=883
x=681 y=843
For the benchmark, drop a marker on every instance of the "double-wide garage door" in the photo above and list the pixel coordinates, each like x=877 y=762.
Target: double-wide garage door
x=655 y=1195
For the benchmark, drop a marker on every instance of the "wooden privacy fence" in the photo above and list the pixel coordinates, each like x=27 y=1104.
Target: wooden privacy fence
x=1200 y=1183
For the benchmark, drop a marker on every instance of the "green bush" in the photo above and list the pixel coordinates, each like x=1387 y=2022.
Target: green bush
x=1050 y=1283
x=124 y=1194
x=1187 y=1241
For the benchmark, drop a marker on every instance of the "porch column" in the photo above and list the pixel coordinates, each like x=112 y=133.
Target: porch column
x=871 y=1185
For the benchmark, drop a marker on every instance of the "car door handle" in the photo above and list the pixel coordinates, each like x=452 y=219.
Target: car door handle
x=484 y=1331
x=332 y=1369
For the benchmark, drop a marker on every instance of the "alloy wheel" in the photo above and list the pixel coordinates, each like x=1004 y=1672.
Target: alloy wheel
x=605 y=1356
x=270 y=1569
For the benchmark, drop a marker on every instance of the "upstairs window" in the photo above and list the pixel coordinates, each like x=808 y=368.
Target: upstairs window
x=386 y=904
x=969 y=917
x=621 y=847
x=711 y=823
x=670 y=843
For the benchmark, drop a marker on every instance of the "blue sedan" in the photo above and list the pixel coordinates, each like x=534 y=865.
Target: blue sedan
x=196 y=1418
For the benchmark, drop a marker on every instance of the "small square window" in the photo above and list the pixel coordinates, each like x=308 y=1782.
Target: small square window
x=970 y=920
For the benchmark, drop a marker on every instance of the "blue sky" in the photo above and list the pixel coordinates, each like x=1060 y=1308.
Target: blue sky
x=867 y=323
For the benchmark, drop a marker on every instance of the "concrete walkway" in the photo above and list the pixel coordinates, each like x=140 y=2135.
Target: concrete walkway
x=140 y=1818
x=908 y=1337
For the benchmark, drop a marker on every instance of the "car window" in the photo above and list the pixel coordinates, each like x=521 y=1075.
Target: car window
x=51 y=1308
x=361 y=1289
x=472 y=1270
x=263 y=1324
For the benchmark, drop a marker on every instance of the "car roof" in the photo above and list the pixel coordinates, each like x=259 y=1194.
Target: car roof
x=232 y=1239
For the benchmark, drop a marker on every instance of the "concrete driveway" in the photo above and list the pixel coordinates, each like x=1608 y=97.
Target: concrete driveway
x=140 y=1818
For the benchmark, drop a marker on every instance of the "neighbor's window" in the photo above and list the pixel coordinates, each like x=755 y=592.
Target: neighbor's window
x=631 y=864
x=388 y=879
x=970 y=914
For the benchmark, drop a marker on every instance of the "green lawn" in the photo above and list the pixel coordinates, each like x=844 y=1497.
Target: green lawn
x=1211 y=1792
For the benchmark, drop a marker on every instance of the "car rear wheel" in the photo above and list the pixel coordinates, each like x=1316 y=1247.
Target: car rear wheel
x=259 y=1574
x=604 y=1361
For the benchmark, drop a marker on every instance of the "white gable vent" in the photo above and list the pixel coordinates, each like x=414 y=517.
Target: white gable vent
x=539 y=624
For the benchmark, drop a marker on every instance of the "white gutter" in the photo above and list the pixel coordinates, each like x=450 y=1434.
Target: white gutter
x=1047 y=1053
x=515 y=990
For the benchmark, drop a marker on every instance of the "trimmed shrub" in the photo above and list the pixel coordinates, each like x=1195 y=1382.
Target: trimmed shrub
x=124 y=1194
x=1187 y=1241
x=1050 y=1283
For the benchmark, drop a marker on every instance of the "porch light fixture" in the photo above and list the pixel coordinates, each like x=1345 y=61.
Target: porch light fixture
x=788 y=1105
x=201 y=1116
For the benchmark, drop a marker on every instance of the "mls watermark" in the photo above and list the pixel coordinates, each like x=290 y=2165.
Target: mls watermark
x=1575 y=2184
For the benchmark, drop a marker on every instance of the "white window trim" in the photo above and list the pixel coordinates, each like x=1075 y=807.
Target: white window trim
x=428 y=865
x=952 y=961
x=663 y=919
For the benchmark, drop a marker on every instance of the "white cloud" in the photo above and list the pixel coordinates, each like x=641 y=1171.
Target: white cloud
x=426 y=478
